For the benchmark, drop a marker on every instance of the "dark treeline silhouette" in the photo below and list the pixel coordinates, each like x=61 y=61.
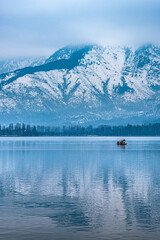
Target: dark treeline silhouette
x=102 y=130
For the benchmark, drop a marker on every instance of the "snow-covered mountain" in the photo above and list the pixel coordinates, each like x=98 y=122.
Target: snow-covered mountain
x=85 y=84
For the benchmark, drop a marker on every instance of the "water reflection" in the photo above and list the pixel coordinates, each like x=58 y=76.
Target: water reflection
x=121 y=146
x=82 y=185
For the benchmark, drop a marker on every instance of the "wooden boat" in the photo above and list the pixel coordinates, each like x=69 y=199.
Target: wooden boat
x=123 y=142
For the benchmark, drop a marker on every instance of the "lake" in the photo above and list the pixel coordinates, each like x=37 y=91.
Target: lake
x=79 y=188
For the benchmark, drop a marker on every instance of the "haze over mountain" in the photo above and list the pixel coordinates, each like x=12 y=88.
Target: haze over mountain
x=85 y=85
x=11 y=64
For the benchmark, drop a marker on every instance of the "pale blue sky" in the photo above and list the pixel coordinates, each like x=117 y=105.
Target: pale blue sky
x=39 y=27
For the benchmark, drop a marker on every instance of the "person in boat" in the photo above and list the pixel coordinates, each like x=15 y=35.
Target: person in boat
x=122 y=142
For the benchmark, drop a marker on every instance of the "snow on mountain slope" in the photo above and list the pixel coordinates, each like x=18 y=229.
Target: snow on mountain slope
x=87 y=84
x=8 y=65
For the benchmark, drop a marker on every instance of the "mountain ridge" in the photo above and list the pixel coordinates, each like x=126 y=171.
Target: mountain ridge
x=85 y=85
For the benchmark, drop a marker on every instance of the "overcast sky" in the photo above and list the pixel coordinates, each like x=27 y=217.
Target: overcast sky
x=39 y=27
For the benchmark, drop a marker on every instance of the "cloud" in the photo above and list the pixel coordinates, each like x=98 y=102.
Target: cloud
x=38 y=27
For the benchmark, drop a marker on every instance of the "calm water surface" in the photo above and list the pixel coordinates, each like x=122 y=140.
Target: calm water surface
x=79 y=188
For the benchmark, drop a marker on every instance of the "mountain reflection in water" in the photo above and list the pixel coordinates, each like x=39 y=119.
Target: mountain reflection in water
x=86 y=188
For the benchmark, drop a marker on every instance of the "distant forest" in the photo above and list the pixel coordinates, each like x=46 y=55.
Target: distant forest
x=102 y=130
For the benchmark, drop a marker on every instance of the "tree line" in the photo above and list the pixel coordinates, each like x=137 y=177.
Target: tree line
x=102 y=130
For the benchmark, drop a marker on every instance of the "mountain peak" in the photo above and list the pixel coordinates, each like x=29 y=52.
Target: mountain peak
x=66 y=52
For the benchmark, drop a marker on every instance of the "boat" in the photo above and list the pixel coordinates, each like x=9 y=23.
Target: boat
x=122 y=142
